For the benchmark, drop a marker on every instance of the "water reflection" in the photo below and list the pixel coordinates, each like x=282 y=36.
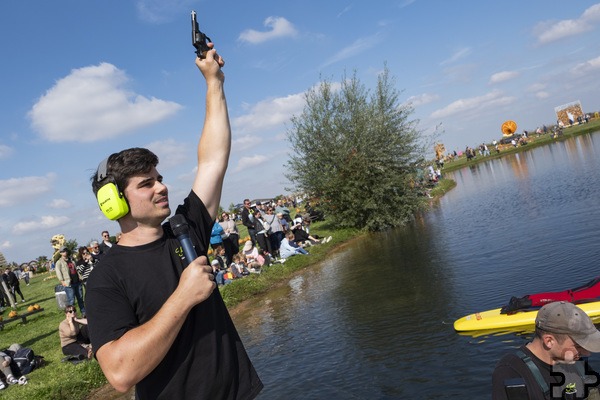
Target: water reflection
x=375 y=320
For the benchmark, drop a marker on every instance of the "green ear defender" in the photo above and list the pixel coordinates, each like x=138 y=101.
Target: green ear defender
x=110 y=198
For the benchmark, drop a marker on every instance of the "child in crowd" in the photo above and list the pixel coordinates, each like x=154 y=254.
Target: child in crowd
x=238 y=266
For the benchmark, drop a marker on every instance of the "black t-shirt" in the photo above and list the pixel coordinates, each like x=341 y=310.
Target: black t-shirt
x=512 y=366
x=130 y=284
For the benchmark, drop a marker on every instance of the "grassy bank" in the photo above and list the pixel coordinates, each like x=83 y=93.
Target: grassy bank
x=533 y=142
x=55 y=380
x=58 y=380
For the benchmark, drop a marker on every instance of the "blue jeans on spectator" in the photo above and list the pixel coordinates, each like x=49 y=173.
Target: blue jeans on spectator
x=75 y=290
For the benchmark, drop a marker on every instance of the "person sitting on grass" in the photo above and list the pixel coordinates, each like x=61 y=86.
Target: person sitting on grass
x=238 y=266
x=302 y=236
x=74 y=338
x=289 y=247
x=5 y=361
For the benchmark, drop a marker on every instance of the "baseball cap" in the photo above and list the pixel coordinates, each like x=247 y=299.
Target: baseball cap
x=566 y=318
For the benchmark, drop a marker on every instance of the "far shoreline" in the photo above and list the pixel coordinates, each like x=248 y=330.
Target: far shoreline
x=533 y=141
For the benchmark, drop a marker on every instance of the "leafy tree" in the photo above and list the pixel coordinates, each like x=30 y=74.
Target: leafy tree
x=357 y=153
x=232 y=209
x=72 y=245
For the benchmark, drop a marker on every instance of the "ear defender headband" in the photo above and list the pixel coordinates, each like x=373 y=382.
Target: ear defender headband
x=110 y=198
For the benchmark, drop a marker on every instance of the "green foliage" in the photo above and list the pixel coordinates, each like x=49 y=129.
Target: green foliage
x=72 y=245
x=357 y=153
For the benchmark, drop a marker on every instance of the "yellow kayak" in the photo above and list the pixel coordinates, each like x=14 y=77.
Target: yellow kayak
x=492 y=319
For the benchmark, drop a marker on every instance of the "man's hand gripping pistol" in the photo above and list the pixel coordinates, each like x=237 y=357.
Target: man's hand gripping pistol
x=199 y=39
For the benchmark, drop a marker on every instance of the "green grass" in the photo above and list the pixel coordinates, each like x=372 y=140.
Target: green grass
x=443 y=186
x=54 y=380
x=534 y=141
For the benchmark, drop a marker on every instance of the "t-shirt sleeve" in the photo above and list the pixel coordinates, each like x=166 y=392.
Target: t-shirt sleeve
x=199 y=220
x=110 y=314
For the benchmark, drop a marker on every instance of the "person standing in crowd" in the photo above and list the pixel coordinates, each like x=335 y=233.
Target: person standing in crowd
x=66 y=272
x=283 y=210
x=276 y=234
x=248 y=220
x=564 y=334
x=149 y=307
x=262 y=232
x=74 y=337
x=216 y=235
x=95 y=250
x=231 y=236
x=85 y=264
x=14 y=285
x=106 y=244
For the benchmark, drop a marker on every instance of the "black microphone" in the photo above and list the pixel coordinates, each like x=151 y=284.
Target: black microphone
x=181 y=230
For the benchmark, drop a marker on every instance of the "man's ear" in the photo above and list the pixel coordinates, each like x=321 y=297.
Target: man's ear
x=549 y=340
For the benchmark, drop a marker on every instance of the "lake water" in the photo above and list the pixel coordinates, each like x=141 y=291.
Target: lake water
x=375 y=320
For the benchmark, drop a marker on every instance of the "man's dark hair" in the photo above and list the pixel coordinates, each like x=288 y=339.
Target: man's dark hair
x=123 y=165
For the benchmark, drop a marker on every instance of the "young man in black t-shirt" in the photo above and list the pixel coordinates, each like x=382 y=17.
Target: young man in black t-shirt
x=155 y=323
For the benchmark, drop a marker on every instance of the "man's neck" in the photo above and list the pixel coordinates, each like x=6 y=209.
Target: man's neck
x=140 y=235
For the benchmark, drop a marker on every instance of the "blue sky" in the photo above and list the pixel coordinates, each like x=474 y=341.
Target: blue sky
x=80 y=80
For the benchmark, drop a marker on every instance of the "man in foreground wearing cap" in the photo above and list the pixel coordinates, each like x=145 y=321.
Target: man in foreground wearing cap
x=541 y=369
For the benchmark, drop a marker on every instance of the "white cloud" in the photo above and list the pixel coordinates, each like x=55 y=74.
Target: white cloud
x=91 y=104
x=536 y=87
x=46 y=222
x=170 y=152
x=5 y=151
x=245 y=142
x=5 y=245
x=586 y=67
x=458 y=55
x=161 y=11
x=422 y=99
x=249 y=162
x=359 y=46
x=279 y=27
x=20 y=190
x=503 y=76
x=542 y=95
x=59 y=204
x=473 y=104
x=269 y=113
x=550 y=31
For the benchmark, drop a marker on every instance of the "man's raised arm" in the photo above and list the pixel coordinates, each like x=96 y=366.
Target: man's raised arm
x=215 y=142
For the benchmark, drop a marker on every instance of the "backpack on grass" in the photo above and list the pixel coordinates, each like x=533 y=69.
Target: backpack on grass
x=25 y=361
